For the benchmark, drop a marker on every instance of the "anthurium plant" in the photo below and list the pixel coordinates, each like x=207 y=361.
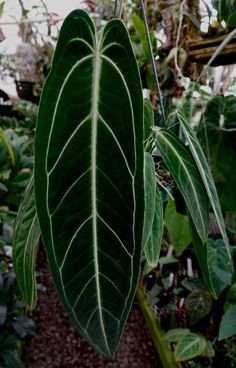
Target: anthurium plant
x=93 y=196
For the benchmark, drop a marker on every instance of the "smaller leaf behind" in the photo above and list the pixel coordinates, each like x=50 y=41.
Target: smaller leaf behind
x=150 y=197
x=213 y=261
x=228 y=323
x=185 y=173
x=189 y=346
x=153 y=247
x=25 y=241
x=206 y=175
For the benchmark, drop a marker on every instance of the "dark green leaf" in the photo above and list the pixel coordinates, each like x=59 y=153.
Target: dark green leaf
x=89 y=184
x=182 y=167
x=206 y=176
x=198 y=305
x=231 y=21
x=25 y=241
x=216 y=267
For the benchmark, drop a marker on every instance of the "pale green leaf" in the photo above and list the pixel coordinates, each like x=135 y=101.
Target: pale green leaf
x=228 y=323
x=184 y=171
x=89 y=169
x=206 y=176
x=189 y=346
x=208 y=351
x=150 y=197
x=153 y=246
x=25 y=242
x=175 y=334
x=178 y=228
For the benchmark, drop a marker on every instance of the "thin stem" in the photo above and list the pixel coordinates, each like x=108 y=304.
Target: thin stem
x=153 y=62
x=121 y=8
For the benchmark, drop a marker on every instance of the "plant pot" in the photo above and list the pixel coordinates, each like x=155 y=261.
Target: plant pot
x=25 y=90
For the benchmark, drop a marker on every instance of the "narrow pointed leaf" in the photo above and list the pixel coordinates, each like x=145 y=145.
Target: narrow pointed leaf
x=89 y=176
x=148 y=119
x=206 y=175
x=150 y=197
x=184 y=171
x=25 y=242
x=153 y=247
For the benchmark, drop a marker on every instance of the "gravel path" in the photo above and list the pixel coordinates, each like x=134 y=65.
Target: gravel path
x=58 y=345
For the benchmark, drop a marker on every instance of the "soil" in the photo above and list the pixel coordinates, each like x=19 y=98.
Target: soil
x=58 y=345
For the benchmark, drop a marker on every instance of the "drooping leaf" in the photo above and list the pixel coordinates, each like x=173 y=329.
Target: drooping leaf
x=175 y=334
x=206 y=176
x=150 y=197
x=25 y=241
x=178 y=228
x=189 y=346
x=183 y=169
x=153 y=246
x=89 y=185
x=217 y=134
x=7 y=146
x=198 y=305
x=213 y=261
x=228 y=323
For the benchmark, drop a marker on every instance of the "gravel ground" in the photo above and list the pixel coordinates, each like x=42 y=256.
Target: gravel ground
x=58 y=345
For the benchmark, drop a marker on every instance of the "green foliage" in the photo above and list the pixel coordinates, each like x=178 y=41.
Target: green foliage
x=25 y=242
x=91 y=217
x=206 y=176
x=198 y=305
x=219 y=124
x=189 y=345
x=228 y=323
x=178 y=228
x=153 y=246
x=183 y=169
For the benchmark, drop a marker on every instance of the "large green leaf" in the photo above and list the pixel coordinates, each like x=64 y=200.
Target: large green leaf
x=205 y=173
x=184 y=171
x=153 y=246
x=89 y=185
x=150 y=197
x=25 y=241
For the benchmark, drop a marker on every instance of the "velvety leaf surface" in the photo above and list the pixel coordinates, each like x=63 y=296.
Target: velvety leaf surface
x=25 y=241
x=89 y=176
x=183 y=169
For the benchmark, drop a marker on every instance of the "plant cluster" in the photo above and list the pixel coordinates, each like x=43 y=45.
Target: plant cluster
x=138 y=184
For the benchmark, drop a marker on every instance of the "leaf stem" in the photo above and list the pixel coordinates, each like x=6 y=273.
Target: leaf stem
x=153 y=62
